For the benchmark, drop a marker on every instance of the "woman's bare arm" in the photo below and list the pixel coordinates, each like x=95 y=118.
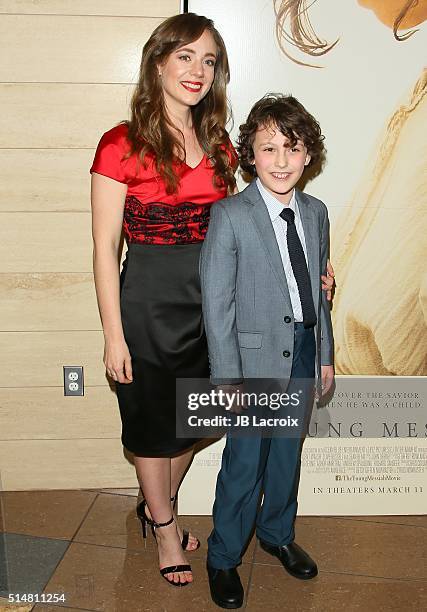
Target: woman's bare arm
x=108 y=199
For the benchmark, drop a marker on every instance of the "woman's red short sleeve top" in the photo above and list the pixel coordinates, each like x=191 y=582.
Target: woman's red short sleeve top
x=152 y=216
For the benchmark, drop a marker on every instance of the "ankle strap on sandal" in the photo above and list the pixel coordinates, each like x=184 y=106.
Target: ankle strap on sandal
x=143 y=514
x=169 y=522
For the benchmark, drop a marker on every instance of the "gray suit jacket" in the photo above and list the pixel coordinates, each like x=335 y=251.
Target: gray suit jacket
x=245 y=295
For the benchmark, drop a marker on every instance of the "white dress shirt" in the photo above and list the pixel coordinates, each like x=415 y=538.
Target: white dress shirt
x=280 y=227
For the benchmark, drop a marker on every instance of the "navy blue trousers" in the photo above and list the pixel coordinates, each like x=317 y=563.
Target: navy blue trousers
x=254 y=465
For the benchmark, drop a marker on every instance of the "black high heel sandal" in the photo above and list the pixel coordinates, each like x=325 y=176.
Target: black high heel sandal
x=165 y=570
x=140 y=511
x=185 y=533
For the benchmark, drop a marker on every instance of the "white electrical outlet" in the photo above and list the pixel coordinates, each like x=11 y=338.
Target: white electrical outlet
x=73 y=380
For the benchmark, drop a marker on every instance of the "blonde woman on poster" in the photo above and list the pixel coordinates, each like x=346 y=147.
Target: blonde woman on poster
x=380 y=325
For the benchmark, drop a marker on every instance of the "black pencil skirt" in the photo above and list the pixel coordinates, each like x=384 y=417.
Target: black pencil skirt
x=161 y=311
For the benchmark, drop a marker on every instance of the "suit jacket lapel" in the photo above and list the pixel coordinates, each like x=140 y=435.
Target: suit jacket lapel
x=262 y=222
x=311 y=234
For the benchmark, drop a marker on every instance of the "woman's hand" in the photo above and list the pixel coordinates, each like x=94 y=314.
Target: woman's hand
x=328 y=281
x=117 y=361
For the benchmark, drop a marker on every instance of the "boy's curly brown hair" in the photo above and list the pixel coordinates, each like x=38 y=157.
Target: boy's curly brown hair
x=292 y=120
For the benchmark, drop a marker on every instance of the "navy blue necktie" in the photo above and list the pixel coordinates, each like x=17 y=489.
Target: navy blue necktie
x=299 y=267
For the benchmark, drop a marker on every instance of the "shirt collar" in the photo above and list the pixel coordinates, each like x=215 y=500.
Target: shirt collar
x=275 y=207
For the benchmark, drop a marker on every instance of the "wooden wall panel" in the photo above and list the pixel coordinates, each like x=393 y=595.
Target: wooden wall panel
x=48 y=302
x=59 y=242
x=36 y=180
x=64 y=464
x=43 y=242
x=80 y=49
x=132 y=8
x=77 y=115
x=48 y=415
x=35 y=359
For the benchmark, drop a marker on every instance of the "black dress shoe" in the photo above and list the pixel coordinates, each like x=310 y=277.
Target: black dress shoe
x=294 y=559
x=226 y=588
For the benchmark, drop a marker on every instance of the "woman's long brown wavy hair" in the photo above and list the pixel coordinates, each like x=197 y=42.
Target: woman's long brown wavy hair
x=150 y=131
x=293 y=27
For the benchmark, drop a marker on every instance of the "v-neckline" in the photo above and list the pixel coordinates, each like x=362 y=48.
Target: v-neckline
x=194 y=167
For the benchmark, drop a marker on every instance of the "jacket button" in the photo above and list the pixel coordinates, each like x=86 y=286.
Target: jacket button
x=286 y=353
x=287 y=319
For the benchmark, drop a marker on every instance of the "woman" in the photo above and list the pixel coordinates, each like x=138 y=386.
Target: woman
x=156 y=176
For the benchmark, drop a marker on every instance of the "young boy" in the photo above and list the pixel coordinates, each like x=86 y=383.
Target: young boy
x=266 y=316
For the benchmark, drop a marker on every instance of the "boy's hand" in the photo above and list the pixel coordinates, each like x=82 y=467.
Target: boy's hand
x=328 y=282
x=233 y=400
x=327 y=378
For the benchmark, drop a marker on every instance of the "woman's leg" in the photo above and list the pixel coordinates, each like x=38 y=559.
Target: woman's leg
x=154 y=476
x=179 y=465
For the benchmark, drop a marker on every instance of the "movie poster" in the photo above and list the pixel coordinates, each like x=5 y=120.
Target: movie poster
x=358 y=67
